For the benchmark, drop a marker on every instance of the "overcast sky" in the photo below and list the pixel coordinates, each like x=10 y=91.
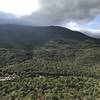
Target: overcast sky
x=81 y=15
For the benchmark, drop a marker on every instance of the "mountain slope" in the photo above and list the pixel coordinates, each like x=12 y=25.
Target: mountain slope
x=17 y=36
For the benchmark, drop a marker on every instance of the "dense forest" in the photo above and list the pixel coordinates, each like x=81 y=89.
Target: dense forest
x=59 y=70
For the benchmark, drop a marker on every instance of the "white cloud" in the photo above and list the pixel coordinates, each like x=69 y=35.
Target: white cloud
x=91 y=32
x=19 y=7
x=73 y=26
x=86 y=30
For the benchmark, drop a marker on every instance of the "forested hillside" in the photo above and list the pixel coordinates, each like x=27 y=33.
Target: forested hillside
x=60 y=70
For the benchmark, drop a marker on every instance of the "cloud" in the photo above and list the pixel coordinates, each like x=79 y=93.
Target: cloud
x=57 y=12
x=73 y=26
x=60 y=12
x=7 y=18
x=19 y=7
x=93 y=32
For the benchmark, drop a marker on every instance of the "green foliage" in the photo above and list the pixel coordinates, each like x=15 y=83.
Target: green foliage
x=60 y=70
x=51 y=88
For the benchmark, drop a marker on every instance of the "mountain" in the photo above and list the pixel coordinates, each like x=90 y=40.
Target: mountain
x=18 y=36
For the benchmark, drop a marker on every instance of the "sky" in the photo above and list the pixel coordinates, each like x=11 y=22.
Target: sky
x=80 y=15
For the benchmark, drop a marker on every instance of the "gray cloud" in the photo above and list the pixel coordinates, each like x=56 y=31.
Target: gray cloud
x=57 y=12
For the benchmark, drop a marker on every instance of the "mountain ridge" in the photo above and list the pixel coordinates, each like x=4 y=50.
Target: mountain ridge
x=19 y=36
